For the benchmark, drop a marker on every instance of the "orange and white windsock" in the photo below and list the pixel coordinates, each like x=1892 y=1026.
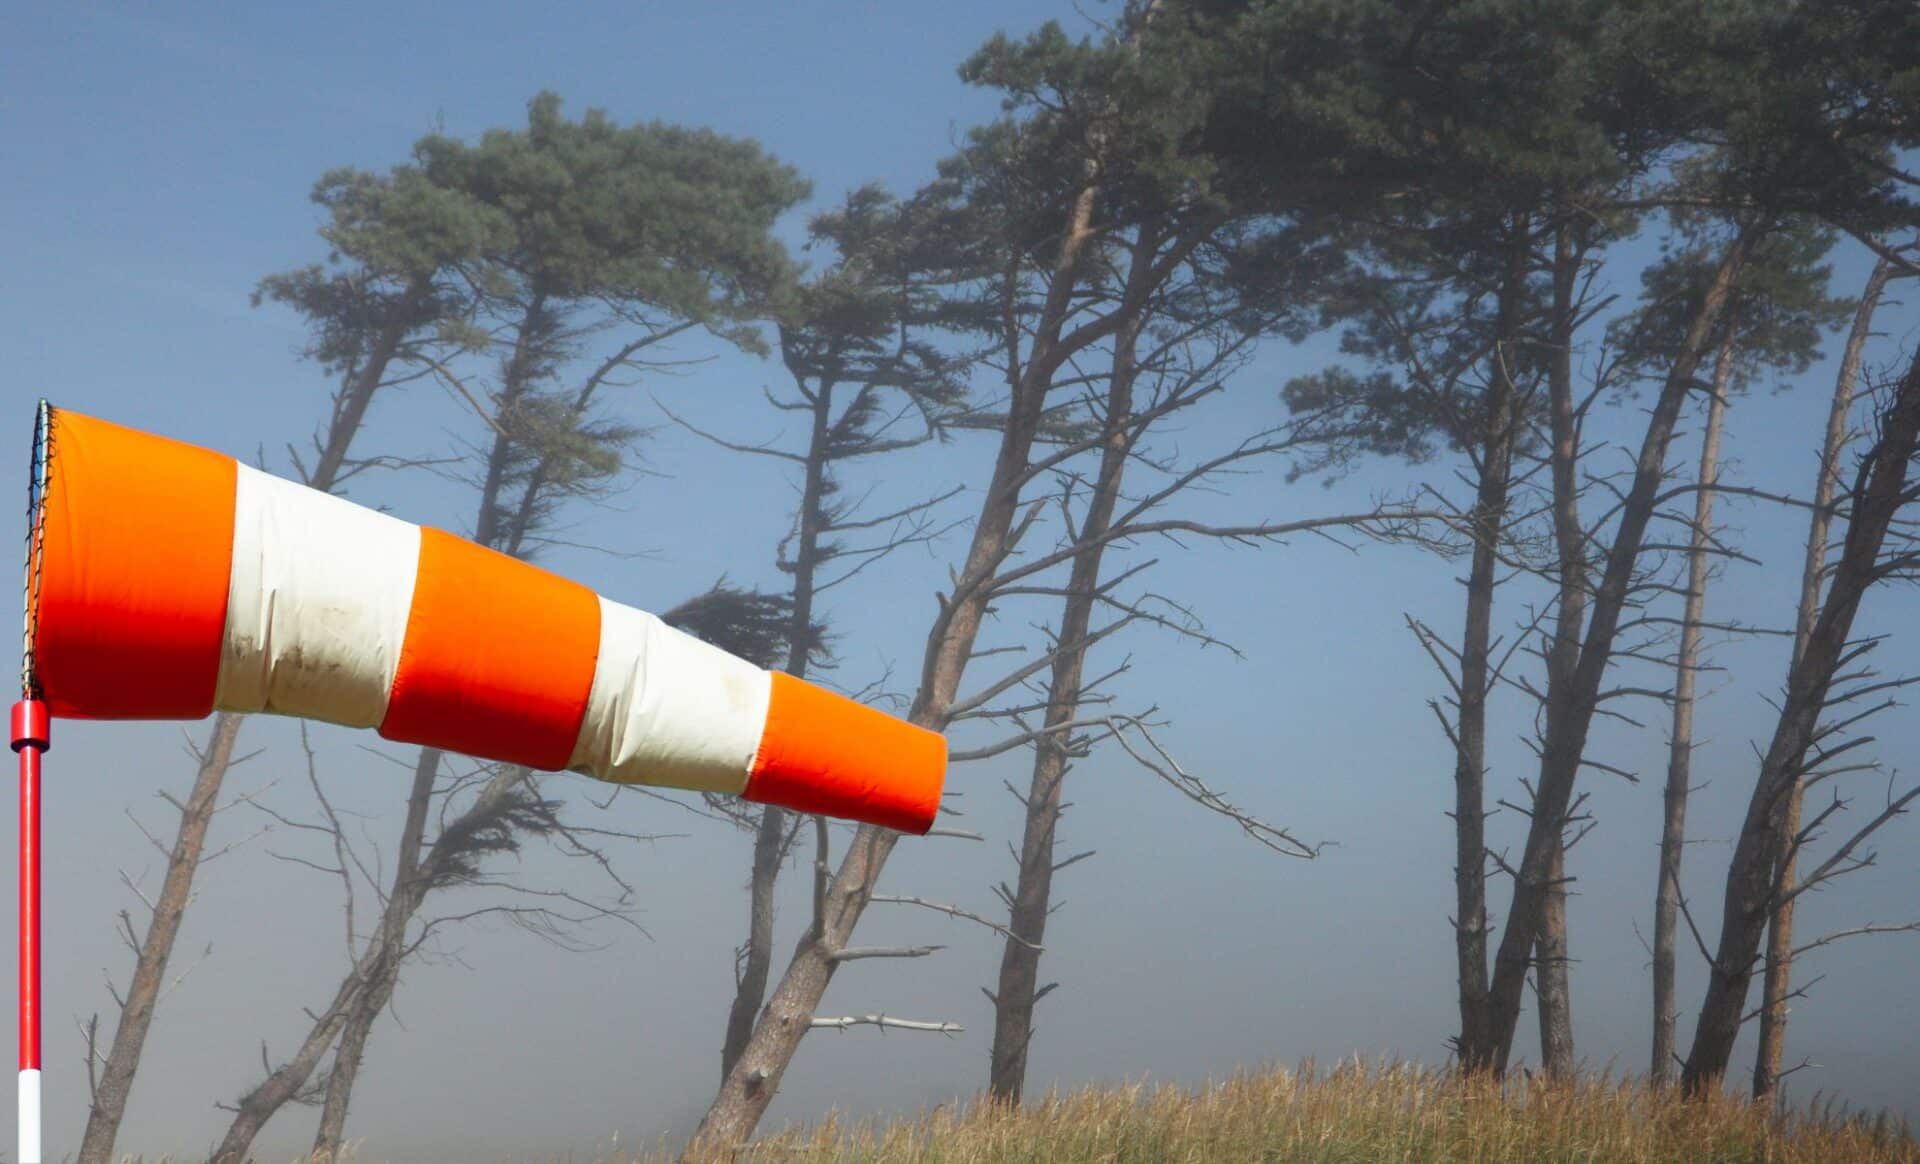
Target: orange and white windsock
x=166 y=581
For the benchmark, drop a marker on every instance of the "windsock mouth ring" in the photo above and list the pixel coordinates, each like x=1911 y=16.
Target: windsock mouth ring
x=36 y=538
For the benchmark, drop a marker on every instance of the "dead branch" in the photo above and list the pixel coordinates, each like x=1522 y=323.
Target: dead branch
x=856 y=953
x=1857 y=932
x=954 y=911
x=1162 y=764
x=885 y=1022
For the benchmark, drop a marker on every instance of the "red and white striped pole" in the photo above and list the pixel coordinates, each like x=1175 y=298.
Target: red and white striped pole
x=31 y=729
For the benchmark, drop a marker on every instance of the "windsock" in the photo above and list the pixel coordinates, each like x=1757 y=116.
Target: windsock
x=166 y=581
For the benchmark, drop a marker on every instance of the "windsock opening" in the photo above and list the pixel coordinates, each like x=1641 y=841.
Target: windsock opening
x=130 y=545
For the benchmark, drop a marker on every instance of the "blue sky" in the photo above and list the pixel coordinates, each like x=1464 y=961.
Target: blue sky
x=154 y=165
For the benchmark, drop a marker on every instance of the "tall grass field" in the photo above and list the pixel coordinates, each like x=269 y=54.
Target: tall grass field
x=1354 y=1113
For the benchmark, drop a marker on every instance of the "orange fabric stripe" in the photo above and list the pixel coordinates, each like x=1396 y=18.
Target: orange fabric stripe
x=823 y=753
x=134 y=561
x=498 y=658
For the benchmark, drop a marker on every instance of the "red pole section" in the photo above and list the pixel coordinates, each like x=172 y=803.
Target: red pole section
x=31 y=731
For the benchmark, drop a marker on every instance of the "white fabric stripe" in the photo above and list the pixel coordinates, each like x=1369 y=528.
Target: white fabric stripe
x=666 y=708
x=317 y=604
x=29 y=1125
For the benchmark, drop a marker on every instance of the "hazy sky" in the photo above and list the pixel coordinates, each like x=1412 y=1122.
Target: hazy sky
x=153 y=167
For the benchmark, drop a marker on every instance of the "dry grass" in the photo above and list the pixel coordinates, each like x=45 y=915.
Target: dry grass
x=1353 y=1113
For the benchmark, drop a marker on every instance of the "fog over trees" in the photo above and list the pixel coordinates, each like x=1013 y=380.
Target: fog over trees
x=1405 y=513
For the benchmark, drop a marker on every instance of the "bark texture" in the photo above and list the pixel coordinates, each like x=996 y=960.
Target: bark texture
x=1553 y=985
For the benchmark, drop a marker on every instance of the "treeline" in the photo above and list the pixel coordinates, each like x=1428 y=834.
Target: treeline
x=1449 y=187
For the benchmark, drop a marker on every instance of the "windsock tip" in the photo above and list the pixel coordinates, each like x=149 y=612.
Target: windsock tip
x=826 y=754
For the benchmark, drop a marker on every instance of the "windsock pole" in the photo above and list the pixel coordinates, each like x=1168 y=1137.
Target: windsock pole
x=31 y=726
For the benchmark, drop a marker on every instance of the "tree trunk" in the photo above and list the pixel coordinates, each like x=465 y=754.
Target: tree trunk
x=751 y=989
x=770 y=838
x=520 y=370
x=150 y=967
x=1673 y=829
x=384 y=972
x=356 y=394
x=1779 y=968
x=755 y=1078
x=285 y=1081
x=1018 y=988
x=347 y=1057
x=1570 y=713
x=1751 y=896
x=369 y=977
x=1488 y=519
x=1552 y=969
x=1553 y=987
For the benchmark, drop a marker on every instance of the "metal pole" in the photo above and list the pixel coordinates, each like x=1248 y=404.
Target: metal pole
x=31 y=729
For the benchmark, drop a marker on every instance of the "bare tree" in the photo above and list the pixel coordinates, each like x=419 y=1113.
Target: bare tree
x=376 y=315
x=1571 y=707
x=1552 y=955
x=1687 y=664
x=755 y=1077
x=473 y=814
x=1068 y=216
x=480 y=812
x=112 y=1084
x=1804 y=743
x=490 y=821
x=1029 y=901
x=1029 y=276
x=1775 y=320
x=867 y=381
x=1768 y=1056
x=1192 y=339
x=1457 y=345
